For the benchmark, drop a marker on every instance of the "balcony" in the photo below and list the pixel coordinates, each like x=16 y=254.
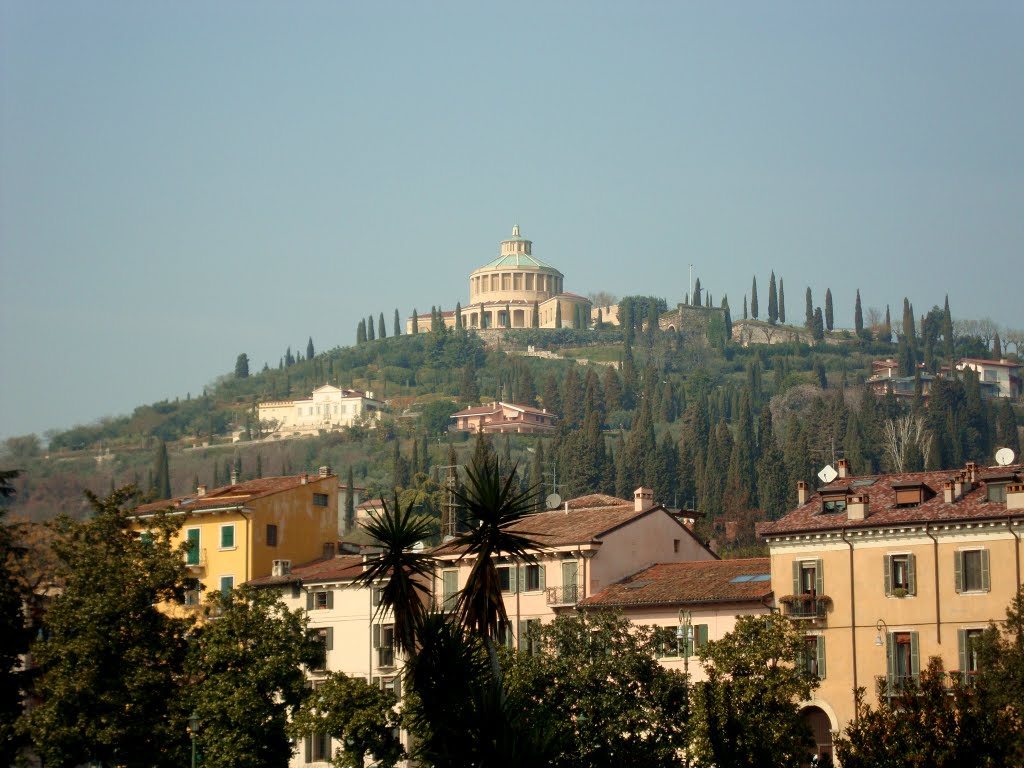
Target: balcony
x=805 y=607
x=196 y=563
x=567 y=595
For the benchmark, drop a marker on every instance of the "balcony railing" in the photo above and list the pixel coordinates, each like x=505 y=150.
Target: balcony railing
x=805 y=607
x=567 y=595
x=952 y=680
x=196 y=562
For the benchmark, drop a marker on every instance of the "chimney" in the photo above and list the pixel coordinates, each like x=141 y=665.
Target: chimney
x=857 y=507
x=958 y=486
x=949 y=491
x=304 y=479
x=643 y=499
x=281 y=568
x=201 y=490
x=844 y=468
x=972 y=471
x=801 y=492
x=234 y=476
x=1014 y=496
x=325 y=470
x=732 y=530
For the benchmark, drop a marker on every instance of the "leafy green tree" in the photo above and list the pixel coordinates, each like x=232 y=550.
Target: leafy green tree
x=14 y=631
x=358 y=714
x=596 y=683
x=939 y=723
x=1000 y=681
x=747 y=712
x=242 y=366
x=782 y=302
x=773 y=300
x=247 y=679
x=109 y=661
x=753 y=298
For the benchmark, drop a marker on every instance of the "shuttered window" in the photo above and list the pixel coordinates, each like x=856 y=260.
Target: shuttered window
x=192 y=535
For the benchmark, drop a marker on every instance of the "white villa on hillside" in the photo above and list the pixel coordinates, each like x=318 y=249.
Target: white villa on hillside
x=328 y=408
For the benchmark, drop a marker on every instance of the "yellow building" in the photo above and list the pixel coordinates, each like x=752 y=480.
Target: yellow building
x=884 y=572
x=240 y=531
x=515 y=290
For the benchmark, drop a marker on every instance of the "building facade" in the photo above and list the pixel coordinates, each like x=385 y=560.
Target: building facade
x=504 y=417
x=515 y=290
x=884 y=572
x=1001 y=376
x=328 y=408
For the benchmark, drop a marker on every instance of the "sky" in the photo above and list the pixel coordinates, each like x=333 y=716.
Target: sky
x=181 y=182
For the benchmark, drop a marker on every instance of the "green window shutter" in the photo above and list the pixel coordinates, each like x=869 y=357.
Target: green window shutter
x=376 y=635
x=961 y=641
x=821 y=657
x=890 y=659
x=958 y=571
x=887 y=563
x=819 y=577
x=227 y=536
x=309 y=601
x=329 y=639
x=915 y=657
x=193 y=546
x=523 y=629
x=911 y=574
x=543 y=576
x=227 y=583
x=986 y=580
x=398 y=687
x=702 y=635
x=330 y=598
x=309 y=749
x=376 y=682
x=796 y=577
x=521 y=571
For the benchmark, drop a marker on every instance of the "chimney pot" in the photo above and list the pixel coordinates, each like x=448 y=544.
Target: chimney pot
x=1014 y=496
x=643 y=499
x=325 y=470
x=201 y=490
x=844 y=468
x=801 y=492
x=949 y=491
x=857 y=507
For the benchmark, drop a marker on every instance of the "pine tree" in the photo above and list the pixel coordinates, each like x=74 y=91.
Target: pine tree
x=309 y=349
x=858 y=316
x=809 y=318
x=782 y=302
x=773 y=300
x=753 y=298
x=828 y=309
x=381 y=330
x=398 y=325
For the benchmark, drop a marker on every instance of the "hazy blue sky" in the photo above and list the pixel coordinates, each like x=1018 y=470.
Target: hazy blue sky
x=184 y=181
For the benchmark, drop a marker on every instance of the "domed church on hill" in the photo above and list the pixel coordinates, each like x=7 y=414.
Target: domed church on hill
x=515 y=290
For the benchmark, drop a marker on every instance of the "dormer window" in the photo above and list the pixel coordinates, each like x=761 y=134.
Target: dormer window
x=912 y=494
x=833 y=502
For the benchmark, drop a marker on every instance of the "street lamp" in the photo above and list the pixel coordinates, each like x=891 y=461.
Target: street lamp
x=879 y=626
x=193 y=731
x=684 y=637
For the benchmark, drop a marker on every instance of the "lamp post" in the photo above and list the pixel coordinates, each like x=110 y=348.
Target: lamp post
x=879 y=626
x=684 y=637
x=193 y=731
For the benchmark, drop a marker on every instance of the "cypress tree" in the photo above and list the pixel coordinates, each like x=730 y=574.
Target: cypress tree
x=381 y=331
x=888 y=325
x=551 y=395
x=997 y=347
x=612 y=390
x=397 y=328
x=782 y=302
x=809 y=318
x=753 y=298
x=259 y=466
x=415 y=320
x=728 y=318
x=818 y=325
x=309 y=349
x=536 y=314
x=908 y=321
x=370 y=335
x=350 y=502
x=161 y=482
x=744 y=307
x=828 y=309
x=558 y=314
x=458 y=316
x=696 y=293
x=628 y=378
x=947 y=332
x=858 y=316
x=773 y=300
x=572 y=399
x=468 y=389
x=771 y=469
x=242 y=366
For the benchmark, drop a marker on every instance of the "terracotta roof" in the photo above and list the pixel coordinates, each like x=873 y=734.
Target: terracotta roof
x=588 y=519
x=496 y=407
x=237 y=495
x=340 y=568
x=705 y=581
x=999 y=363
x=882 y=509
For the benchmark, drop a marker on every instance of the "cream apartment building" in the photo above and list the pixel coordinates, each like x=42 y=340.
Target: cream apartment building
x=328 y=408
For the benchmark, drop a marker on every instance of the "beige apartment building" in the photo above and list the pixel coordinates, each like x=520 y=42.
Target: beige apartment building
x=589 y=543
x=884 y=572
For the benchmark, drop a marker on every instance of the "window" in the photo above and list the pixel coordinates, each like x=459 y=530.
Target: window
x=322 y=600
x=450 y=589
x=319 y=499
x=996 y=491
x=318 y=748
x=971 y=570
x=227 y=584
x=531 y=578
x=192 y=537
x=968 y=642
x=812 y=657
x=227 y=536
x=529 y=638
x=324 y=637
x=900 y=577
x=507 y=578
x=192 y=597
x=903 y=665
x=830 y=504
x=808 y=577
x=671 y=644
x=384 y=644
x=505 y=636
x=375 y=595
x=271 y=535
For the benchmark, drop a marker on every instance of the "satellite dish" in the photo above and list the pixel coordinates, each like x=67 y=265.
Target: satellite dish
x=828 y=474
x=1004 y=456
x=552 y=501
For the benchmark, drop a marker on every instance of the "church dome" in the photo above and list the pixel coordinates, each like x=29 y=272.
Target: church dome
x=515 y=276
